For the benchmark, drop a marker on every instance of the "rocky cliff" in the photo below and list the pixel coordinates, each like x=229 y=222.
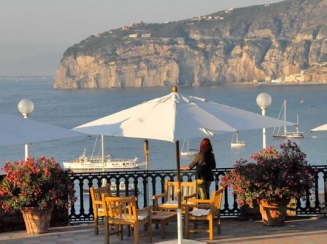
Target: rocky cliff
x=260 y=43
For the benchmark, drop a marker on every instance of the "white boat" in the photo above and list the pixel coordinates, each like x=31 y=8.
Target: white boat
x=186 y=150
x=114 y=188
x=297 y=134
x=122 y=188
x=97 y=163
x=236 y=142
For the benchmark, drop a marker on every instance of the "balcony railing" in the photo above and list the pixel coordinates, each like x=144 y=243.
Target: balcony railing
x=145 y=184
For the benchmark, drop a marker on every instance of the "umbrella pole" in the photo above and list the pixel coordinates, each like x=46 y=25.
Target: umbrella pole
x=146 y=154
x=179 y=206
x=102 y=157
x=102 y=152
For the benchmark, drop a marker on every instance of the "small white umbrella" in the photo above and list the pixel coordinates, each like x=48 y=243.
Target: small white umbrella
x=174 y=117
x=15 y=130
x=320 y=128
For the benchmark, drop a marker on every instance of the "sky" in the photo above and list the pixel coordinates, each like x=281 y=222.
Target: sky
x=35 y=33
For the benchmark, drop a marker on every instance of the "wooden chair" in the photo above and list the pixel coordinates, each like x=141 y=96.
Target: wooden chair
x=97 y=204
x=123 y=211
x=204 y=210
x=169 y=197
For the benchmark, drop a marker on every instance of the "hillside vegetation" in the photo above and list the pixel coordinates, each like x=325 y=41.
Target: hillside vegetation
x=281 y=42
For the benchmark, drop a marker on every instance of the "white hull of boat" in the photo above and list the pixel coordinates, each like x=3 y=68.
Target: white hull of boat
x=95 y=163
x=190 y=152
x=287 y=134
x=238 y=144
x=235 y=142
x=121 y=190
x=290 y=135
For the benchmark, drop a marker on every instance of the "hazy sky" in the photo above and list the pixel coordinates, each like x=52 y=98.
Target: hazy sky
x=35 y=33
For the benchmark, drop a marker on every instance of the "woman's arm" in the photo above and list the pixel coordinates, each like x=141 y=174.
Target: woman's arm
x=193 y=163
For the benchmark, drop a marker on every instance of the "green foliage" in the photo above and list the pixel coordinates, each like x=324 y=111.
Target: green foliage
x=35 y=183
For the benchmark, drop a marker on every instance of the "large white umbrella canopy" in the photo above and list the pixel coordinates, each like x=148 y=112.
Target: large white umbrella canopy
x=174 y=117
x=15 y=130
x=320 y=128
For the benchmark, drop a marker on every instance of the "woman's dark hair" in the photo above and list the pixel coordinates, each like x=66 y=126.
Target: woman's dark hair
x=205 y=145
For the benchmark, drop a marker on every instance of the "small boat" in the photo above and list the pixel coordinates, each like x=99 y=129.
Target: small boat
x=121 y=189
x=236 y=142
x=97 y=163
x=297 y=134
x=186 y=150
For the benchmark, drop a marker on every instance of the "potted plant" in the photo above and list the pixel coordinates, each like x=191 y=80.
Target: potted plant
x=35 y=187
x=271 y=180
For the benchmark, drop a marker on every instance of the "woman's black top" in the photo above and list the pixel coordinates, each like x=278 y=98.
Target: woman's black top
x=205 y=162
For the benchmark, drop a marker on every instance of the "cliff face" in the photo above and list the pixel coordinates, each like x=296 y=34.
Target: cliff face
x=258 y=43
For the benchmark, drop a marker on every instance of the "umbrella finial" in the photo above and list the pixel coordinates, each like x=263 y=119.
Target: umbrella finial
x=175 y=89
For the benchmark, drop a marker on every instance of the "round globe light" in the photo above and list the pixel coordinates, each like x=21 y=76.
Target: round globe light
x=25 y=106
x=263 y=100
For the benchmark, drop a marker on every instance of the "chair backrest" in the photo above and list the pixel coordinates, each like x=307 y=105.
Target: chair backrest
x=96 y=195
x=123 y=211
x=216 y=198
x=120 y=208
x=204 y=209
x=187 y=189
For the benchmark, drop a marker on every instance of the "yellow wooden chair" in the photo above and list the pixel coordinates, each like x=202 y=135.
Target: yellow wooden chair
x=204 y=210
x=121 y=211
x=97 y=204
x=168 y=199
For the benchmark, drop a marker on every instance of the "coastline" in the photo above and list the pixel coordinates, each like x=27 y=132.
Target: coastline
x=208 y=84
x=271 y=84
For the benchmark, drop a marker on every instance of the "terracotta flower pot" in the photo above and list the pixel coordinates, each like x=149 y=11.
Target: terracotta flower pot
x=273 y=214
x=36 y=221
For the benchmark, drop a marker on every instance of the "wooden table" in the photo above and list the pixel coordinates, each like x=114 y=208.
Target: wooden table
x=162 y=218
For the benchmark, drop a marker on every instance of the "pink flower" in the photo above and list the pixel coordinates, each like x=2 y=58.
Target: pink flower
x=273 y=175
x=35 y=183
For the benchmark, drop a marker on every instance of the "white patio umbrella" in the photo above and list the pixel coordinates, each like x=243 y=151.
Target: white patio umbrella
x=15 y=130
x=174 y=117
x=319 y=128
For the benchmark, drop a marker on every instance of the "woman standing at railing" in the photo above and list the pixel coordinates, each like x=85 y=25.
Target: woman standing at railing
x=204 y=162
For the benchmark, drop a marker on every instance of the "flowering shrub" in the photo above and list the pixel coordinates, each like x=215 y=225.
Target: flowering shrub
x=35 y=183
x=273 y=176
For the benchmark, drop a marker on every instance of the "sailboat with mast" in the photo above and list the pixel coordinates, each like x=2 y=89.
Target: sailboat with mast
x=186 y=150
x=236 y=142
x=277 y=133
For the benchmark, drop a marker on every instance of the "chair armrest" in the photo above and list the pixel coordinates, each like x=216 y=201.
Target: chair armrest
x=197 y=201
x=185 y=198
x=147 y=209
x=156 y=197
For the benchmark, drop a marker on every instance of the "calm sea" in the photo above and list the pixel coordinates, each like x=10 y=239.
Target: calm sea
x=70 y=108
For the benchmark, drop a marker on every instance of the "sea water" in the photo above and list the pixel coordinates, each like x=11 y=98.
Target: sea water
x=70 y=108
